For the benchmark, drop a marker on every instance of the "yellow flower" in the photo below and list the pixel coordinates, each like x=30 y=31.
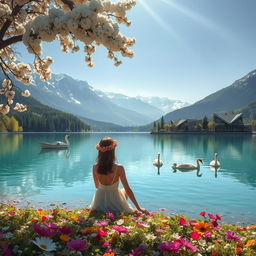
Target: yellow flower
x=75 y=218
x=64 y=238
x=250 y=243
x=202 y=227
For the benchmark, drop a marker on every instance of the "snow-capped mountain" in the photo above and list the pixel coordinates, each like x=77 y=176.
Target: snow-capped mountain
x=79 y=98
x=165 y=104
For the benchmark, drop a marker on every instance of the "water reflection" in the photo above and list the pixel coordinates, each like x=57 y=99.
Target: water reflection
x=58 y=152
x=198 y=174
x=9 y=143
x=215 y=170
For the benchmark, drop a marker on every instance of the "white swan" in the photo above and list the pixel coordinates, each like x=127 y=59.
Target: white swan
x=56 y=144
x=215 y=162
x=188 y=166
x=157 y=162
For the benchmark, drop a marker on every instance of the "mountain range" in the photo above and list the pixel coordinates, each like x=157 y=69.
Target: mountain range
x=239 y=96
x=77 y=97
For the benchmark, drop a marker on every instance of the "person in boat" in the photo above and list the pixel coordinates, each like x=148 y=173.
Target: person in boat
x=107 y=174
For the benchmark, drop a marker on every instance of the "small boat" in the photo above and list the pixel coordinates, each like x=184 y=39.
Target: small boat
x=56 y=144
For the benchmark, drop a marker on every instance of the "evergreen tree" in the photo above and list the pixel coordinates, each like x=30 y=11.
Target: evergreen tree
x=162 y=123
x=205 y=123
x=13 y=125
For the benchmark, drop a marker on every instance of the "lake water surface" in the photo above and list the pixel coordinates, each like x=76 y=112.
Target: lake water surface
x=64 y=177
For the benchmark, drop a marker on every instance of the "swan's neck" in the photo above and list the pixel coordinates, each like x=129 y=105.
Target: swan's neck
x=158 y=158
x=67 y=141
x=197 y=164
x=215 y=158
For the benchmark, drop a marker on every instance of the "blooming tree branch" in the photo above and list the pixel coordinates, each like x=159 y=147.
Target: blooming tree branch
x=92 y=22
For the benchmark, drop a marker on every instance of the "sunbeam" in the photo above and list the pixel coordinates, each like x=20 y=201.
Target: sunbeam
x=158 y=19
x=199 y=19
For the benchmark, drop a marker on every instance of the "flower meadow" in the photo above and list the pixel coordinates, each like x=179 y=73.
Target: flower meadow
x=58 y=231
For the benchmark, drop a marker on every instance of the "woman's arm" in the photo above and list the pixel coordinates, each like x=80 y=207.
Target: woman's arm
x=128 y=190
x=95 y=178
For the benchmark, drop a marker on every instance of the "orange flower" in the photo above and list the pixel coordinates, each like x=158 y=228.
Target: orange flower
x=64 y=238
x=109 y=254
x=75 y=218
x=202 y=227
x=250 y=243
x=240 y=244
x=239 y=250
x=40 y=212
x=251 y=227
x=89 y=230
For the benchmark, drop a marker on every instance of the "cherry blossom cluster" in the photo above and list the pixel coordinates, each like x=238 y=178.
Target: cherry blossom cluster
x=92 y=22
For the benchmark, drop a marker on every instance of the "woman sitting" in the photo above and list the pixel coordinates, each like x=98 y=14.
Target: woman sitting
x=106 y=175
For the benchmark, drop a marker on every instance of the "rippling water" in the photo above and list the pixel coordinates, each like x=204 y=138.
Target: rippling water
x=64 y=176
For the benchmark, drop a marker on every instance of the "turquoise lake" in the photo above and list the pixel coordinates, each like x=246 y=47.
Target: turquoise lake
x=63 y=177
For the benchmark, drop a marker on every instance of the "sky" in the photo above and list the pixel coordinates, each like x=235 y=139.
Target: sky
x=185 y=50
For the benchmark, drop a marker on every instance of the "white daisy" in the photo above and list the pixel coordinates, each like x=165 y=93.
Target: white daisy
x=45 y=244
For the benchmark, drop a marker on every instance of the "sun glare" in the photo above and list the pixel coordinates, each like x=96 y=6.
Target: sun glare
x=158 y=19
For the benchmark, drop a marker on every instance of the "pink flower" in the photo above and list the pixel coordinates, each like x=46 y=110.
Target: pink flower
x=66 y=230
x=120 y=229
x=192 y=223
x=209 y=234
x=105 y=244
x=138 y=250
x=232 y=236
x=211 y=216
x=77 y=245
x=43 y=231
x=169 y=246
x=110 y=215
x=143 y=224
x=101 y=232
x=188 y=244
x=11 y=213
x=162 y=209
x=183 y=222
x=195 y=235
x=102 y=223
x=159 y=230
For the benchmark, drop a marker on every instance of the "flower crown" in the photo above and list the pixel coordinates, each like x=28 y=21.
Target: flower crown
x=107 y=148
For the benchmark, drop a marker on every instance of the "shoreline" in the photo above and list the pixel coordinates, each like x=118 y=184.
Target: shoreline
x=203 y=133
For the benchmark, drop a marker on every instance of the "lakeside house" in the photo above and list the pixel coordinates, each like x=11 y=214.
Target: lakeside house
x=228 y=122
x=185 y=125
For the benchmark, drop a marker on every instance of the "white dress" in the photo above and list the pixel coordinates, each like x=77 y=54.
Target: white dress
x=109 y=198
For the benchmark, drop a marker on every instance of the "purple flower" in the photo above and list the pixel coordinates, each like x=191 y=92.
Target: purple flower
x=138 y=250
x=105 y=244
x=188 y=244
x=77 y=245
x=43 y=231
x=52 y=226
x=120 y=229
x=111 y=215
x=232 y=236
x=6 y=250
x=102 y=223
x=66 y=230
x=169 y=246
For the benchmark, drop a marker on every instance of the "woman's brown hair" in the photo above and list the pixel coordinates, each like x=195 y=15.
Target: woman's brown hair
x=105 y=159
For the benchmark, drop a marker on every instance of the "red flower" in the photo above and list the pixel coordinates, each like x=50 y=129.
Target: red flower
x=202 y=214
x=214 y=254
x=239 y=250
x=218 y=217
